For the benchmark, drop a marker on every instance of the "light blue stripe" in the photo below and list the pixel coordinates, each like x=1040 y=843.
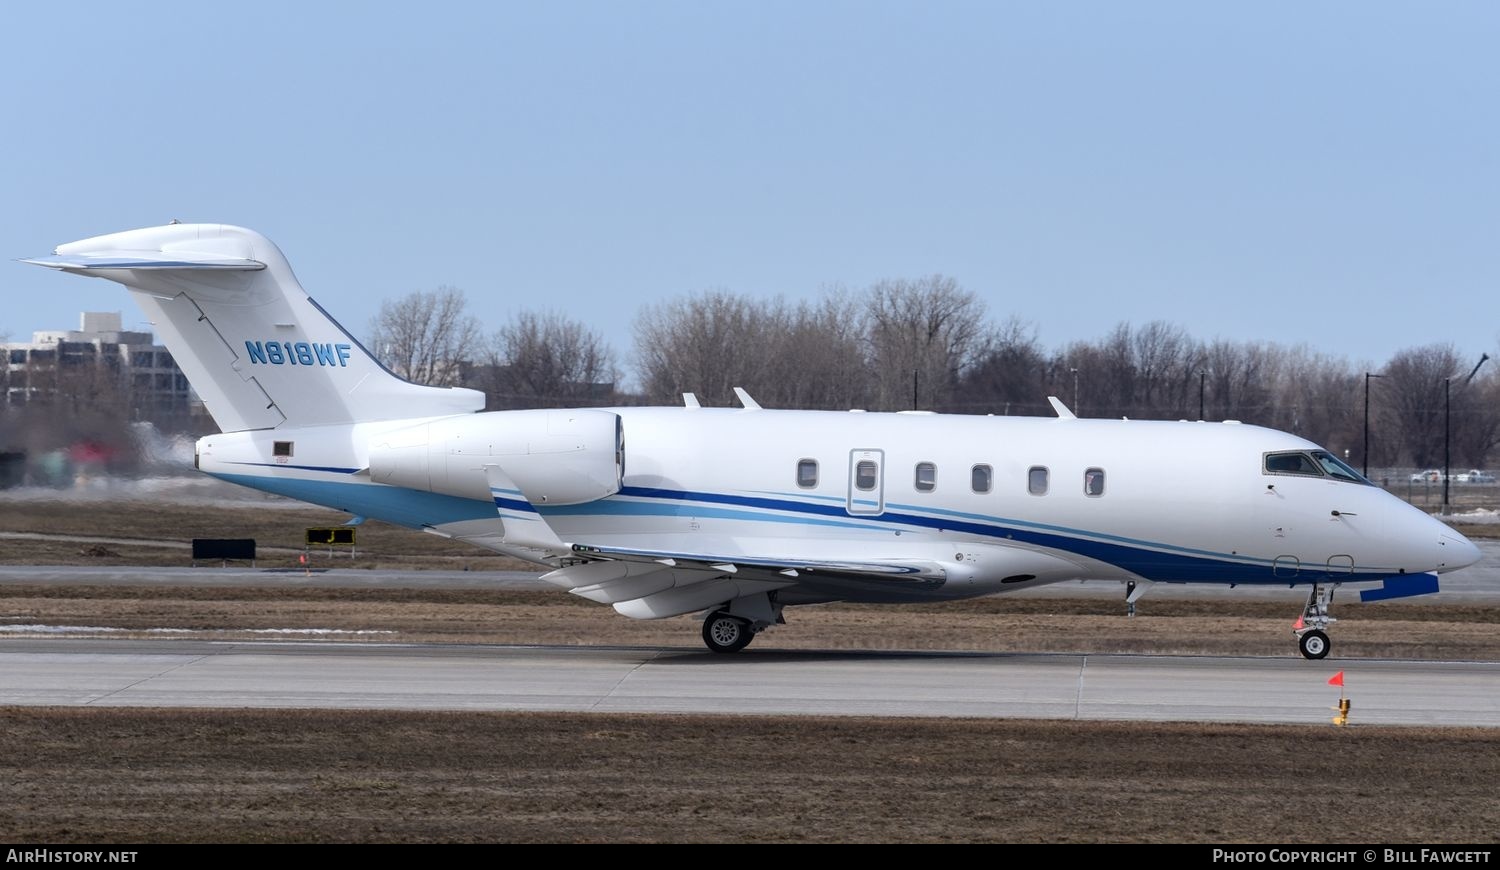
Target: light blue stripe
x=404 y=507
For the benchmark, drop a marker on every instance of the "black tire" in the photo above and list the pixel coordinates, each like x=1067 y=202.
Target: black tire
x=726 y=634
x=1314 y=644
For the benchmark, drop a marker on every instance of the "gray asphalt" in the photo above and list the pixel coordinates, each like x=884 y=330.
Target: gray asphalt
x=93 y=672
x=201 y=674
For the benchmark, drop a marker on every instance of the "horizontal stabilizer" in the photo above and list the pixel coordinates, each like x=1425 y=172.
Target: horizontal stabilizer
x=154 y=260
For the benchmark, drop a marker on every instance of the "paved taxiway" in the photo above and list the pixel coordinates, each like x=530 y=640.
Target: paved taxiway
x=45 y=671
x=190 y=674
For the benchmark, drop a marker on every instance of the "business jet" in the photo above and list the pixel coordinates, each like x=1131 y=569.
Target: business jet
x=739 y=513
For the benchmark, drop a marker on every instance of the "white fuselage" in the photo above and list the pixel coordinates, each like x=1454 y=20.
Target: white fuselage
x=1178 y=502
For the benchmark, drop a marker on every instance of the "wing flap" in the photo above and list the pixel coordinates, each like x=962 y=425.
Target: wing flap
x=717 y=564
x=614 y=581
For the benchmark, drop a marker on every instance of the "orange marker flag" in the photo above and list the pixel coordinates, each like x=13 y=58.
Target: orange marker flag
x=1337 y=679
x=1297 y=626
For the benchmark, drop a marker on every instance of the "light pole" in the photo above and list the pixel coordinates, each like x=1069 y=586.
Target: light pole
x=1447 y=414
x=1075 y=390
x=1368 y=375
x=1447 y=429
x=1202 y=379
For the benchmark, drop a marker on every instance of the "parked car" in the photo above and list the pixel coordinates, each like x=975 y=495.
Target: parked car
x=1431 y=475
x=1474 y=475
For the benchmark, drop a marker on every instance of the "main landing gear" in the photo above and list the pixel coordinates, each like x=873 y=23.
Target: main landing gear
x=726 y=634
x=1310 y=628
x=731 y=627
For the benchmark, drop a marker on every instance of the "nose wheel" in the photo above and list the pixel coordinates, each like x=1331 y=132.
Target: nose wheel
x=1314 y=644
x=1311 y=627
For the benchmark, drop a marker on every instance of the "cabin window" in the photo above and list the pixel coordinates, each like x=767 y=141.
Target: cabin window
x=281 y=448
x=864 y=475
x=926 y=477
x=807 y=473
x=1036 y=480
x=1093 y=482
x=981 y=478
x=1292 y=462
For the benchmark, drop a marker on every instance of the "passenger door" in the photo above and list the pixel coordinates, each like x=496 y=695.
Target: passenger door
x=866 y=482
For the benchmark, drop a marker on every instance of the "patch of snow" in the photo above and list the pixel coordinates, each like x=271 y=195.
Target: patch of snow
x=97 y=629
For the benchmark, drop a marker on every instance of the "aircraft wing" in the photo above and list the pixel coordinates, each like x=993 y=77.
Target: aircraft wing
x=649 y=584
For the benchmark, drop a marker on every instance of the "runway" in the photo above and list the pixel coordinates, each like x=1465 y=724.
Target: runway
x=201 y=674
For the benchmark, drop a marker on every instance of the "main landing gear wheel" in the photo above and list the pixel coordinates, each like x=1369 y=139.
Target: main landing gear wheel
x=1314 y=644
x=726 y=634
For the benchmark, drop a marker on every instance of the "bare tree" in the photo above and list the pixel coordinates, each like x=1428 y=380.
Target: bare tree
x=1317 y=399
x=1012 y=377
x=546 y=360
x=1476 y=419
x=1414 y=406
x=706 y=344
x=816 y=357
x=923 y=336
x=425 y=336
x=1166 y=362
x=804 y=356
x=1241 y=378
x=1104 y=372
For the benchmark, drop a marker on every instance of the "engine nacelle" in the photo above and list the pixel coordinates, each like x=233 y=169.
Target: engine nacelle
x=554 y=457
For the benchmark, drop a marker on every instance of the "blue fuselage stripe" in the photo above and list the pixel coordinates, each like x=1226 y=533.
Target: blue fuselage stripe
x=327 y=469
x=1153 y=561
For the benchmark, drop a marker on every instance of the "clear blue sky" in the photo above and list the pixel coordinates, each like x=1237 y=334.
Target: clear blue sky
x=1306 y=173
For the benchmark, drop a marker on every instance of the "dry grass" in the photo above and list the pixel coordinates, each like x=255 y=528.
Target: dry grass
x=230 y=776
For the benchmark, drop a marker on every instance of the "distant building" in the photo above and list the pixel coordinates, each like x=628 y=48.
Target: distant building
x=98 y=355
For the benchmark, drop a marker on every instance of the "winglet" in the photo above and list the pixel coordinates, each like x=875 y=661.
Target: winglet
x=1062 y=410
x=749 y=403
x=690 y=401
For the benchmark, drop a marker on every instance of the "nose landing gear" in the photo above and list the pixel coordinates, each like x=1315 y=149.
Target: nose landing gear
x=1311 y=626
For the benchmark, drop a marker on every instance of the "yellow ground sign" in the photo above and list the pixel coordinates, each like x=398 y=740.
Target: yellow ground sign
x=341 y=535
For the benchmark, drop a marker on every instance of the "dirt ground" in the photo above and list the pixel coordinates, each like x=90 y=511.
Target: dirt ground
x=71 y=775
x=257 y=776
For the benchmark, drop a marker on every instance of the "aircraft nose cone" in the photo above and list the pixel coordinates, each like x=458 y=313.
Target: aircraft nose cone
x=1456 y=551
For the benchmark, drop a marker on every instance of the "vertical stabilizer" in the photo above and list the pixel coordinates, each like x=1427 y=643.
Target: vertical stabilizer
x=256 y=348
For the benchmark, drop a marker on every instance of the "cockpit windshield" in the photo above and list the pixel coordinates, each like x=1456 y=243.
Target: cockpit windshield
x=1311 y=463
x=1337 y=467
